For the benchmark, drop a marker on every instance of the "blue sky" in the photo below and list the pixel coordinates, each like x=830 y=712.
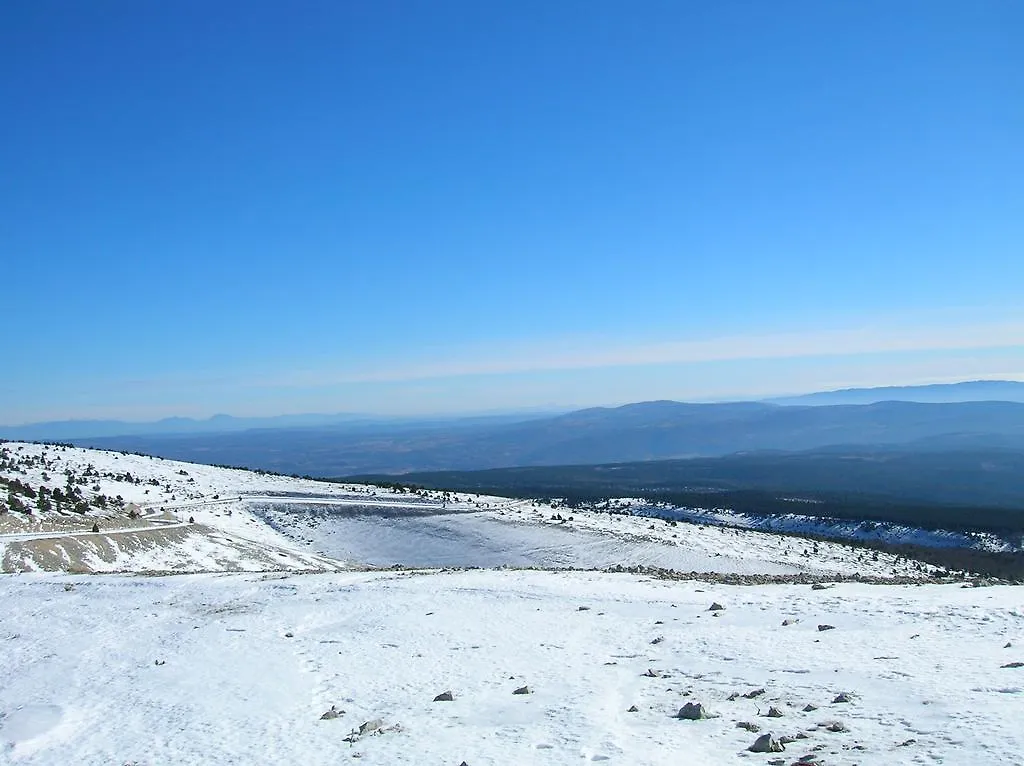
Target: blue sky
x=408 y=207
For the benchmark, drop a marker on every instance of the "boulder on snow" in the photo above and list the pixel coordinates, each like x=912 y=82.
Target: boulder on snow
x=766 y=743
x=693 y=711
x=826 y=627
x=371 y=726
x=715 y=607
x=842 y=697
x=774 y=712
x=522 y=690
x=445 y=697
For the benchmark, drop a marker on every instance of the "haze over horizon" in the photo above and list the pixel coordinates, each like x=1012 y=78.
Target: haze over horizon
x=413 y=208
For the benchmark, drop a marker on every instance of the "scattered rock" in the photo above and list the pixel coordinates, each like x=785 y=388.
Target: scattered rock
x=753 y=694
x=787 y=622
x=693 y=711
x=583 y=609
x=651 y=673
x=734 y=695
x=907 y=743
x=445 y=697
x=159 y=662
x=289 y=635
x=809 y=708
x=70 y=586
x=95 y=526
x=836 y=727
x=766 y=743
x=1007 y=645
x=657 y=640
x=826 y=627
x=774 y=712
x=715 y=607
x=1013 y=665
x=753 y=728
x=842 y=697
x=522 y=690
x=331 y=714
x=787 y=740
x=371 y=727
x=633 y=709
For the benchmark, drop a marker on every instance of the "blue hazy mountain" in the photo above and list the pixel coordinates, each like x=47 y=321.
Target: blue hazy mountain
x=968 y=391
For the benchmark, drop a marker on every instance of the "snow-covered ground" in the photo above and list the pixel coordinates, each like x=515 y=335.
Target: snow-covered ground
x=240 y=668
x=224 y=666
x=204 y=518
x=524 y=534
x=843 y=529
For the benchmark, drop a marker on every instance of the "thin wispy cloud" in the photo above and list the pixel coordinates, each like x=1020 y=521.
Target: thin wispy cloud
x=593 y=354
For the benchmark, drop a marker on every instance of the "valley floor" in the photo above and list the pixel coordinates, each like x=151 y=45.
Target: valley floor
x=240 y=668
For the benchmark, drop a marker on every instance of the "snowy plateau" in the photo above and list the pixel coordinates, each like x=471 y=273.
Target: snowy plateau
x=157 y=612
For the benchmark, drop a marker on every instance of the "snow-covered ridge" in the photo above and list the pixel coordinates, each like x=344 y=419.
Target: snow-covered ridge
x=842 y=529
x=98 y=511
x=156 y=515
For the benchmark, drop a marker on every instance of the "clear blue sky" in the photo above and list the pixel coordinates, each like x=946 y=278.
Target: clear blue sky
x=269 y=207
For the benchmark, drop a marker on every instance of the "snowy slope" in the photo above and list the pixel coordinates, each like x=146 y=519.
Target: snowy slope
x=240 y=667
x=197 y=518
x=206 y=669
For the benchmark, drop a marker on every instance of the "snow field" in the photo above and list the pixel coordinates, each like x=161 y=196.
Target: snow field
x=240 y=668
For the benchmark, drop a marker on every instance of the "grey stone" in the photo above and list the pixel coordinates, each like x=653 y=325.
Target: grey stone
x=693 y=711
x=445 y=697
x=766 y=743
x=826 y=627
x=522 y=690
x=371 y=726
x=715 y=607
x=842 y=697
x=774 y=712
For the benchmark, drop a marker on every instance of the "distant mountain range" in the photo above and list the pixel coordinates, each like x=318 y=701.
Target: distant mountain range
x=968 y=391
x=60 y=430
x=635 y=432
x=70 y=430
